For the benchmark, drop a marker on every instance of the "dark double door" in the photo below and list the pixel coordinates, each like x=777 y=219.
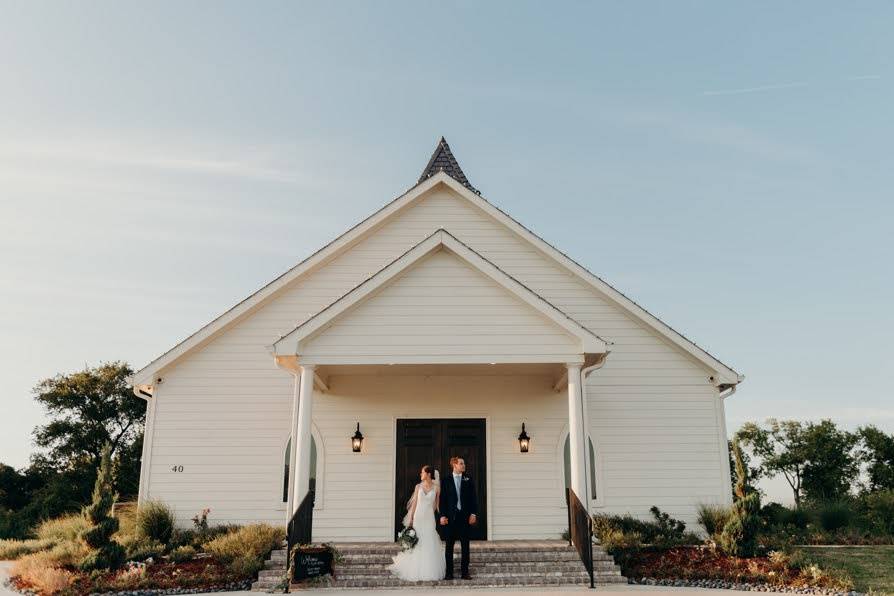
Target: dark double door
x=434 y=442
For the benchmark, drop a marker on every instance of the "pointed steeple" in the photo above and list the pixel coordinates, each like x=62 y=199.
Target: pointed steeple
x=442 y=160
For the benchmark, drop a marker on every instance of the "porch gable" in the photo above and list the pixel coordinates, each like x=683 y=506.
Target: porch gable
x=439 y=302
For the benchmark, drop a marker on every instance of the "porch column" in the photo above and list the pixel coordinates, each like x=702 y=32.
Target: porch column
x=301 y=435
x=577 y=434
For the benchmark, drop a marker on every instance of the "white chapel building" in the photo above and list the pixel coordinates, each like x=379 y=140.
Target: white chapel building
x=437 y=326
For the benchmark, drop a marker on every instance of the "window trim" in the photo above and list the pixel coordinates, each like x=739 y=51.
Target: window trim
x=317 y=441
x=596 y=463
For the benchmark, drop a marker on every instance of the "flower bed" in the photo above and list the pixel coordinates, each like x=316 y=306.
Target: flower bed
x=202 y=575
x=160 y=558
x=698 y=565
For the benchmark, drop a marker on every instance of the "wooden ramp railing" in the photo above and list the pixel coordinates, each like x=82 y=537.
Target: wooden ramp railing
x=299 y=529
x=580 y=531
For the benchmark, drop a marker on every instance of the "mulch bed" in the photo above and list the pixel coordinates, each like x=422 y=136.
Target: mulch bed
x=202 y=575
x=705 y=563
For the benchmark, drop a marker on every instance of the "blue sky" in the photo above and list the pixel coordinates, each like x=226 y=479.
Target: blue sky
x=727 y=166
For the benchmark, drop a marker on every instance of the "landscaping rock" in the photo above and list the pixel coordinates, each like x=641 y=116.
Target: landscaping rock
x=742 y=587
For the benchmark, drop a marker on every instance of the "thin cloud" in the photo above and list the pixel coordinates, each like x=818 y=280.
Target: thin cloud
x=171 y=156
x=776 y=87
x=757 y=89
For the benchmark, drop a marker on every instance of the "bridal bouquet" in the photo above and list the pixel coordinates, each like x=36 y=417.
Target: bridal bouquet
x=407 y=538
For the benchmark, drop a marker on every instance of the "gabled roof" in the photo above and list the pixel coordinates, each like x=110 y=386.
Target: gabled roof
x=290 y=344
x=442 y=160
x=725 y=375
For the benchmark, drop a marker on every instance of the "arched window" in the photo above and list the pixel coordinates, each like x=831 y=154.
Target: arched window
x=313 y=468
x=591 y=460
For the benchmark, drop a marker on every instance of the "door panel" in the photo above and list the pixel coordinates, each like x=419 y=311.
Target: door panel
x=435 y=441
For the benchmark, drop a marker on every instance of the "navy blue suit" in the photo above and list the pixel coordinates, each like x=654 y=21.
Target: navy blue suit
x=457 y=519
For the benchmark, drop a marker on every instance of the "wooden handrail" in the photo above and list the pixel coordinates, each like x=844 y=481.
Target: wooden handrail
x=299 y=530
x=580 y=531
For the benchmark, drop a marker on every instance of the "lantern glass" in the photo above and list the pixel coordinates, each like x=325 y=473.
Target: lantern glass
x=524 y=441
x=357 y=440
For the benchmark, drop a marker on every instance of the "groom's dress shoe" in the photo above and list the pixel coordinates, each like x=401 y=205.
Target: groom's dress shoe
x=448 y=576
x=466 y=576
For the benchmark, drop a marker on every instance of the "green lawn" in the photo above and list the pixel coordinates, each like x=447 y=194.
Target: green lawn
x=871 y=567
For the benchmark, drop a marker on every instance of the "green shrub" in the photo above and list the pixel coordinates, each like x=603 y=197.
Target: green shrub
x=182 y=554
x=629 y=530
x=67 y=527
x=880 y=511
x=834 y=516
x=13 y=549
x=246 y=548
x=668 y=528
x=68 y=553
x=246 y=565
x=614 y=541
x=797 y=517
x=739 y=535
x=183 y=537
x=155 y=521
x=105 y=553
x=773 y=513
x=712 y=518
x=140 y=549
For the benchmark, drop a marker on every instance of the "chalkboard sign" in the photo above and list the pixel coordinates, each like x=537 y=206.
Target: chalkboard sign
x=312 y=564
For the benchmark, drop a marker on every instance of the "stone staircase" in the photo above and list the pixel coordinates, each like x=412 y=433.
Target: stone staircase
x=494 y=564
x=273 y=575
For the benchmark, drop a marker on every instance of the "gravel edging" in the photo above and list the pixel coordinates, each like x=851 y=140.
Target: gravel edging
x=722 y=584
x=230 y=587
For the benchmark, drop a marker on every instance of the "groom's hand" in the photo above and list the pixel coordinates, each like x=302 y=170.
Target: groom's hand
x=443 y=521
x=473 y=519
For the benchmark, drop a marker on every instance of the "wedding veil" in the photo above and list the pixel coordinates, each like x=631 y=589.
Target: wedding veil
x=436 y=485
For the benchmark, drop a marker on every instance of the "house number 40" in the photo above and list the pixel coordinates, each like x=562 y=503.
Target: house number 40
x=177 y=468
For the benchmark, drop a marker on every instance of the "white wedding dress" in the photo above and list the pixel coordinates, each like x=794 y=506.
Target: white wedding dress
x=425 y=561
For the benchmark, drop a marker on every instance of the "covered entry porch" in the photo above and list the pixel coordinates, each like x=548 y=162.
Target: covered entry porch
x=438 y=334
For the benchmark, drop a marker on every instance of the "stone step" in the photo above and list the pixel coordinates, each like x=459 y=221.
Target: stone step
x=494 y=581
x=475 y=547
x=522 y=569
x=478 y=562
x=578 y=576
x=494 y=564
x=479 y=570
x=264 y=586
x=518 y=556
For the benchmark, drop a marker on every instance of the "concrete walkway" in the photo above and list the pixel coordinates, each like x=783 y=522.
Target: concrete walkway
x=621 y=590
x=4 y=573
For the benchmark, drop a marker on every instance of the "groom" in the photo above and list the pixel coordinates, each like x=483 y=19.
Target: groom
x=459 y=510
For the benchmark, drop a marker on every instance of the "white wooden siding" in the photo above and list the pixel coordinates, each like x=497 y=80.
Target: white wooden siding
x=442 y=308
x=225 y=408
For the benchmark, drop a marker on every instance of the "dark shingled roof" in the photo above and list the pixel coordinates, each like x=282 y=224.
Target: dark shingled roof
x=442 y=160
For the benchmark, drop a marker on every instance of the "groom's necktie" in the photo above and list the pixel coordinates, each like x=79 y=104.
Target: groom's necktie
x=456 y=480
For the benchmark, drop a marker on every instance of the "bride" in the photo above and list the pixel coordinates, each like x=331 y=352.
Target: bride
x=425 y=561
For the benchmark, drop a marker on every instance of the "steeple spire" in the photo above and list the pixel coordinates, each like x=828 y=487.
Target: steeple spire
x=442 y=160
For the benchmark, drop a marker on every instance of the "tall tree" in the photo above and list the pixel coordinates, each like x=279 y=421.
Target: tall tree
x=833 y=466
x=818 y=460
x=877 y=452
x=89 y=409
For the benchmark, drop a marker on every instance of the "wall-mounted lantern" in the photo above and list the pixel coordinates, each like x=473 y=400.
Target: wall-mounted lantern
x=357 y=440
x=524 y=441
